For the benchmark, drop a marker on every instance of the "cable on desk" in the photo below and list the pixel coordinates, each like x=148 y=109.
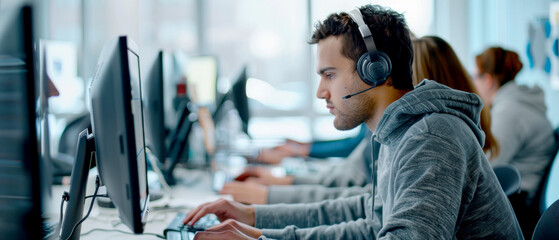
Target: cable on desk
x=65 y=198
x=99 y=195
x=120 y=231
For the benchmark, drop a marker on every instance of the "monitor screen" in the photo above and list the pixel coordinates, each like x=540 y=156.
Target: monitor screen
x=237 y=94
x=117 y=122
x=201 y=77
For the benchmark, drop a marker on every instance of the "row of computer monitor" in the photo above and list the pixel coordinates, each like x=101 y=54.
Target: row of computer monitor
x=169 y=143
x=121 y=127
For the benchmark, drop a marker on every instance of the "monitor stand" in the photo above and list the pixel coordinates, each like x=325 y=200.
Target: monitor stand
x=178 y=141
x=154 y=196
x=76 y=198
x=157 y=196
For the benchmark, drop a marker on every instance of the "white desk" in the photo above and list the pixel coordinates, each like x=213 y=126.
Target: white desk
x=183 y=199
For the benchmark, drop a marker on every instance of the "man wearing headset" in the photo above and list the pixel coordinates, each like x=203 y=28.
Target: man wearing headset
x=433 y=180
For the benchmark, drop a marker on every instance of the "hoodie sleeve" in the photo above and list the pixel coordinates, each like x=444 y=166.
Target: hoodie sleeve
x=316 y=221
x=305 y=215
x=312 y=193
x=358 y=229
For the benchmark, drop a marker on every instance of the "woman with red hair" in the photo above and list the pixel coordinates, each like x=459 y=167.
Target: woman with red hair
x=518 y=117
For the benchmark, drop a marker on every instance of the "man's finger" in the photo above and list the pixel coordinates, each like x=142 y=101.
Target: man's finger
x=191 y=214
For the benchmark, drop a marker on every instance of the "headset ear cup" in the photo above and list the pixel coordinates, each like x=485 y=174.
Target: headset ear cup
x=385 y=66
x=374 y=73
x=363 y=68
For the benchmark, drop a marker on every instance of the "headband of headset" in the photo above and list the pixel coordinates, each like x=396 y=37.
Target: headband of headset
x=355 y=14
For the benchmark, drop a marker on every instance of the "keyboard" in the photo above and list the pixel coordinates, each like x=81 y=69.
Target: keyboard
x=177 y=230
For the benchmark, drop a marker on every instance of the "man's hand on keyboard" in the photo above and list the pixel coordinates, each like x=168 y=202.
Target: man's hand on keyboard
x=223 y=209
x=229 y=229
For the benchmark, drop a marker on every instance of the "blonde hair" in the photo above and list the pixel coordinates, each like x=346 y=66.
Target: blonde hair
x=434 y=59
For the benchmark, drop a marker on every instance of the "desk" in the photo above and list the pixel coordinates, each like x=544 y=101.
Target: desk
x=184 y=198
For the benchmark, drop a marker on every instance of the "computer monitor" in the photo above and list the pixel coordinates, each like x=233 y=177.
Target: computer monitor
x=118 y=134
x=118 y=128
x=201 y=78
x=21 y=187
x=152 y=94
x=238 y=95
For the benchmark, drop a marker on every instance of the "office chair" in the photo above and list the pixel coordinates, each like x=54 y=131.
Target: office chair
x=548 y=225
x=509 y=178
x=69 y=137
x=550 y=191
x=547 y=193
x=63 y=160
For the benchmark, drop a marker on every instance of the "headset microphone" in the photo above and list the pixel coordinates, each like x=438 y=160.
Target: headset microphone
x=351 y=95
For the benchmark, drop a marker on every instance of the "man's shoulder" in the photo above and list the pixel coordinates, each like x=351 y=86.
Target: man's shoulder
x=444 y=130
x=439 y=124
x=441 y=138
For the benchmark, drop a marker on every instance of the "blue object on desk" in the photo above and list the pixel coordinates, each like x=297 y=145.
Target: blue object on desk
x=337 y=148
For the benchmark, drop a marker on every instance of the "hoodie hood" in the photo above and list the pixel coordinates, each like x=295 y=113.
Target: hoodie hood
x=513 y=95
x=429 y=97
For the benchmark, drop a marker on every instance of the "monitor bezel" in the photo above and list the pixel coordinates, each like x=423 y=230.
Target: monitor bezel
x=125 y=46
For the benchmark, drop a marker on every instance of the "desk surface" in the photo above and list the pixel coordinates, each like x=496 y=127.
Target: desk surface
x=194 y=190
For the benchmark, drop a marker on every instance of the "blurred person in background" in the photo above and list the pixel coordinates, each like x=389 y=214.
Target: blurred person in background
x=350 y=177
x=434 y=59
x=315 y=149
x=518 y=117
x=520 y=125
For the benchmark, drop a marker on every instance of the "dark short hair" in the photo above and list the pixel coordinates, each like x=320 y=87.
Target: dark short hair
x=389 y=30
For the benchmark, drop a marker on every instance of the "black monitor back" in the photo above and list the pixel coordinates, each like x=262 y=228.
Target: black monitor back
x=237 y=94
x=117 y=124
x=153 y=108
x=240 y=99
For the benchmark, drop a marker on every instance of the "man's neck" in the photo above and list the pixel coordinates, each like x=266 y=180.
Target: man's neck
x=384 y=97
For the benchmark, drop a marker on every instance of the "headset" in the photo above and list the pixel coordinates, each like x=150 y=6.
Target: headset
x=374 y=66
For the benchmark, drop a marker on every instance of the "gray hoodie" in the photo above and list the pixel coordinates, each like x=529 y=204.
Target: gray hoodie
x=434 y=181
x=524 y=133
